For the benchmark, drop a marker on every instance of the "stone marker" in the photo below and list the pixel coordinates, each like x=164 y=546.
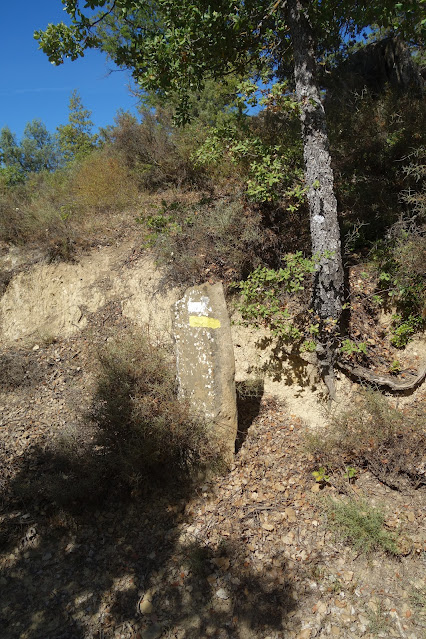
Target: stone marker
x=205 y=360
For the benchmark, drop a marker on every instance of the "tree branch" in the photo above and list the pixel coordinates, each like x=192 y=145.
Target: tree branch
x=384 y=381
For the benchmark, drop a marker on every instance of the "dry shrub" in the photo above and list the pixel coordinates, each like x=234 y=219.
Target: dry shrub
x=101 y=183
x=156 y=154
x=38 y=211
x=223 y=239
x=371 y=138
x=372 y=434
x=60 y=210
x=147 y=430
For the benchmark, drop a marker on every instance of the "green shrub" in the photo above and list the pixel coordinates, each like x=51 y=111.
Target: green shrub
x=277 y=298
x=400 y=260
x=147 y=430
x=361 y=525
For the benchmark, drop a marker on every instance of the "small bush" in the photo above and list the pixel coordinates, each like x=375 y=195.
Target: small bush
x=147 y=431
x=374 y=435
x=361 y=525
x=154 y=152
x=223 y=239
x=29 y=212
x=370 y=137
x=59 y=210
x=400 y=260
x=101 y=183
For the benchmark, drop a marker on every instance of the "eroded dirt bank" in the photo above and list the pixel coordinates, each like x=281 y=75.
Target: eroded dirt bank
x=48 y=301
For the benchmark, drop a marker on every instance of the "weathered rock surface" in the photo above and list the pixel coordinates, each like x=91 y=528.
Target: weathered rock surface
x=205 y=359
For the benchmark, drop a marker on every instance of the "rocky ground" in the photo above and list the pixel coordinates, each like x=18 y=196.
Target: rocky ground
x=248 y=555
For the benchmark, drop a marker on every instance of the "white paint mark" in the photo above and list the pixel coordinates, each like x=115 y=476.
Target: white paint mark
x=202 y=306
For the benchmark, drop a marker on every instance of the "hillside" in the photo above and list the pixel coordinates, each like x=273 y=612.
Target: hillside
x=278 y=149
x=251 y=553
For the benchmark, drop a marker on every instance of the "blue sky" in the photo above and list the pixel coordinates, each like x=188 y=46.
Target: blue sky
x=31 y=87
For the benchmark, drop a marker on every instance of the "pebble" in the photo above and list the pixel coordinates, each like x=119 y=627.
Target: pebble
x=222 y=594
x=145 y=607
x=321 y=608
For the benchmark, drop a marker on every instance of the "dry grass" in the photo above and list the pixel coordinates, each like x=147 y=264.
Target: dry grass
x=372 y=434
x=66 y=209
x=147 y=431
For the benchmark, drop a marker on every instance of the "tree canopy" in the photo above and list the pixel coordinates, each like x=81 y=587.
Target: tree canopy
x=37 y=150
x=75 y=138
x=172 y=46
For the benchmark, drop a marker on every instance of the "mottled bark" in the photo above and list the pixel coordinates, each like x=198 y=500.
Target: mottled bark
x=325 y=232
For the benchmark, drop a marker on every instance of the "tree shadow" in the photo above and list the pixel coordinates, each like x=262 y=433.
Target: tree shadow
x=77 y=554
x=249 y=399
x=285 y=364
x=83 y=535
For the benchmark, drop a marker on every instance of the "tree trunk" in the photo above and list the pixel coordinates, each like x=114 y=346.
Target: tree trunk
x=325 y=233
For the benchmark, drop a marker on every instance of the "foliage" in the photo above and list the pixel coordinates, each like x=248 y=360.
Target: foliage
x=153 y=151
x=399 y=260
x=147 y=430
x=361 y=525
x=414 y=195
x=403 y=330
x=273 y=297
x=10 y=176
x=376 y=143
x=271 y=171
x=215 y=239
x=395 y=367
x=349 y=347
x=37 y=151
x=320 y=475
x=9 y=148
x=38 y=148
x=59 y=210
x=32 y=211
x=170 y=47
x=75 y=139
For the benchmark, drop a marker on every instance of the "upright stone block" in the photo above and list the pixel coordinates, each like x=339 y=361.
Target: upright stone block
x=205 y=360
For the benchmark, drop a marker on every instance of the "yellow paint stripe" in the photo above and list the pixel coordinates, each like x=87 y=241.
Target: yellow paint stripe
x=203 y=322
